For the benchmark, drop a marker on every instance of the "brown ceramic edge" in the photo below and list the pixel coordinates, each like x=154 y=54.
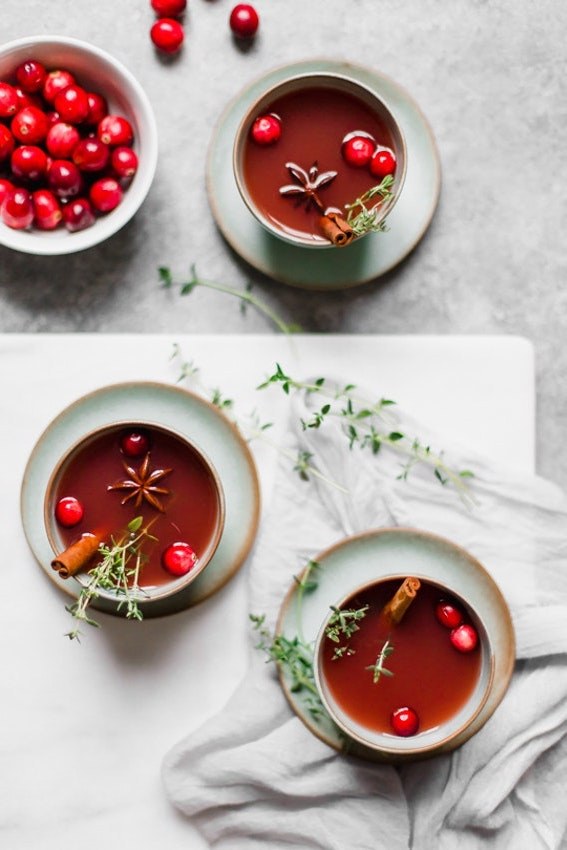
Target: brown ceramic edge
x=240 y=250
x=245 y=548
x=393 y=751
x=294 y=82
x=175 y=585
x=374 y=755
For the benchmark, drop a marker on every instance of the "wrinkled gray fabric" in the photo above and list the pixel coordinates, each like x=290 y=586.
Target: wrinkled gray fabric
x=256 y=777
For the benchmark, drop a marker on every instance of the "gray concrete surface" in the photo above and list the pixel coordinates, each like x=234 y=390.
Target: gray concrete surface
x=490 y=76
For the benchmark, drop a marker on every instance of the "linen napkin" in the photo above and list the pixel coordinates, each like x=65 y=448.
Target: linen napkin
x=256 y=777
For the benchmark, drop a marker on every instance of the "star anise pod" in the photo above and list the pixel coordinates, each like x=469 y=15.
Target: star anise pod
x=308 y=183
x=142 y=485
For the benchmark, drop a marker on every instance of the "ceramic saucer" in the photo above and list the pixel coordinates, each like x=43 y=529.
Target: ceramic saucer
x=378 y=554
x=366 y=258
x=189 y=415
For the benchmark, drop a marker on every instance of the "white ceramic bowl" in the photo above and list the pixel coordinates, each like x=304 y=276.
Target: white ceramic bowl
x=96 y=71
x=433 y=740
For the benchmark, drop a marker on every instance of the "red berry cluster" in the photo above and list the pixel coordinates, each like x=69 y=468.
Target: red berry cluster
x=361 y=150
x=64 y=158
x=463 y=636
x=167 y=33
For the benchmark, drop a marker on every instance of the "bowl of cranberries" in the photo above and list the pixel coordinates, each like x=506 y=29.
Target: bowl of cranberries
x=404 y=667
x=78 y=145
x=135 y=510
x=319 y=160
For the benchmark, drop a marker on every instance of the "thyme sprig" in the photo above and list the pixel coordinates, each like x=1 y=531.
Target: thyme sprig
x=370 y=425
x=341 y=626
x=245 y=296
x=363 y=216
x=118 y=570
x=378 y=667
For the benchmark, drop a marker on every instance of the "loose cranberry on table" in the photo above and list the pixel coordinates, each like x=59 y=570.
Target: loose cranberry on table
x=105 y=194
x=78 y=215
x=178 y=559
x=135 y=444
x=31 y=75
x=29 y=162
x=167 y=34
x=244 y=20
x=358 y=150
x=448 y=614
x=17 y=209
x=8 y=100
x=464 y=638
x=46 y=209
x=69 y=511
x=115 y=130
x=383 y=163
x=404 y=721
x=30 y=125
x=266 y=130
x=169 y=8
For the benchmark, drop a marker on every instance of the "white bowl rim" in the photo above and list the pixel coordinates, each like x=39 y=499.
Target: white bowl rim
x=56 y=243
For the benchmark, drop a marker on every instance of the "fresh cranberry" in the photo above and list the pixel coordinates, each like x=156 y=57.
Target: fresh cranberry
x=56 y=82
x=64 y=178
x=383 y=163
x=6 y=142
x=6 y=186
x=53 y=117
x=29 y=162
x=30 y=125
x=267 y=129
x=135 y=444
x=47 y=211
x=244 y=20
x=404 y=721
x=98 y=108
x=91 y=155
x=17 y=209
x=8 y=100
x=115 y=130
x=178 y=559
x=69 y=511
x=448 y=614
x=464 y=638
x=26 y=99
x=357 y=149
x=78 y=214
x=61 y=140
x=105 y=194
x=124 y=162
x=72 y=104
x=31 y=75
x=167 y=35
x=169 y=8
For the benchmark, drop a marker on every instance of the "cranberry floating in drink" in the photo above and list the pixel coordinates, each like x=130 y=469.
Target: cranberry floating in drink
x=303 y=160
x=137 y=479
x=389 y=664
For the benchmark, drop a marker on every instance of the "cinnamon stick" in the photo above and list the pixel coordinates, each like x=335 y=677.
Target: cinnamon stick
x=77 y=556
x=336 y=229
x=401 y=600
